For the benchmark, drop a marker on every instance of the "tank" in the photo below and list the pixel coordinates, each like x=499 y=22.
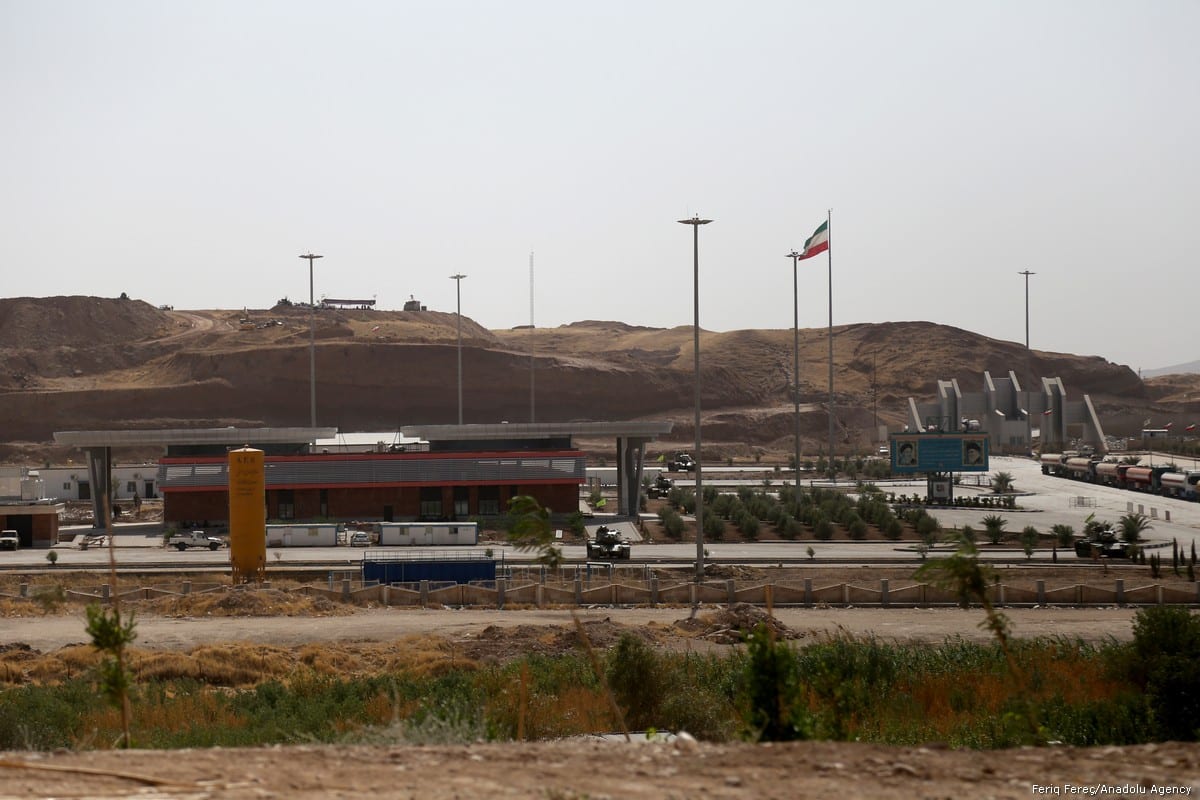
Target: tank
x=247 y=514
x=608 y=546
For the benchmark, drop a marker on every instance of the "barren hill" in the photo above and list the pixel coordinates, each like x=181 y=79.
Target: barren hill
x=70 y=363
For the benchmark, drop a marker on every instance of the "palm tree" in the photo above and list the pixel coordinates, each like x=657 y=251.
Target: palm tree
x=1130 y=460
x=1132 y=526
x=1064 y=535
x=1029 y=540
x=994 y=525
x=1002 y=482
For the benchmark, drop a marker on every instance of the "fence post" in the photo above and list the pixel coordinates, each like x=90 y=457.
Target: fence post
x=1120 y=591
x=345 y=588
x=24 y=590
x=846 y=594
x=653 y=590
x=1158 y=594
x=385 y=595
x=883 y=593
x=187 y=587
x=808 y=592
x=1000 y=595
x=104 y=589
x=539 y=593
x=578 y=590
x=500 y=586
x=1041 y=593
x=424 y=593
x=732 y=591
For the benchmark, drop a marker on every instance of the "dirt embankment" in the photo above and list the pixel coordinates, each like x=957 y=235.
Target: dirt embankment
x=71 y=363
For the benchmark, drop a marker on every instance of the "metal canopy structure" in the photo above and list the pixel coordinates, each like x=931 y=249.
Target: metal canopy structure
x=98 y=445
x=631 y=440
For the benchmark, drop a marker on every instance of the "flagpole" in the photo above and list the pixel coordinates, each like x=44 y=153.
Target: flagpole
x=796 y=353
x=829 y=255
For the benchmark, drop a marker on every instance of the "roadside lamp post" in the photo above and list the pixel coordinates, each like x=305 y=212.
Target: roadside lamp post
x=457 y=278
x=312 y=343
x=696 y=222
x=795 y=257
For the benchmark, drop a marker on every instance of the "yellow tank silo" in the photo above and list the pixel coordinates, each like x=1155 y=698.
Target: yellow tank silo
x=247 y=514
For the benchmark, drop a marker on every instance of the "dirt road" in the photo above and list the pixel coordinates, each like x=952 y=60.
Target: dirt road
x=912 y=624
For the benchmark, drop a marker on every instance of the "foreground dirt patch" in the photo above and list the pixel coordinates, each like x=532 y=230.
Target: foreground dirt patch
x=578 y=769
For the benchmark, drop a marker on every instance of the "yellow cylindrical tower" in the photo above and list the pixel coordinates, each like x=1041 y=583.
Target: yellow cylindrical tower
x=247 y=514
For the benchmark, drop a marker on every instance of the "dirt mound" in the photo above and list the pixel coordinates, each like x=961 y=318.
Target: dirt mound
x=732 y=625
x=37 y=323
x=501 y=644
x=240 y=601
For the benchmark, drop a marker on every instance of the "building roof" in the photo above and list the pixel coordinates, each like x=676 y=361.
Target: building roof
x=215 y=436
x=534 y=430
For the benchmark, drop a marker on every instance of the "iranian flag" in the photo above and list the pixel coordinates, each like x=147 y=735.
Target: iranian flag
x=1191 y=427
x=817 y=243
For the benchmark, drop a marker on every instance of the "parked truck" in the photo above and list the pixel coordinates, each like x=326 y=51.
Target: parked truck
x=182 y=541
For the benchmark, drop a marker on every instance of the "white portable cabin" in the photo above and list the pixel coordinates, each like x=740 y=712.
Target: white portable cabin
x=420 y=534
x=301 y=535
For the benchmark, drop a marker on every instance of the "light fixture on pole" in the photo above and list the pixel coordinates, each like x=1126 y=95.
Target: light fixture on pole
x=312 y=342
x=696 y=222
x=1027 y=273
x=457 y=278
x=795 y=257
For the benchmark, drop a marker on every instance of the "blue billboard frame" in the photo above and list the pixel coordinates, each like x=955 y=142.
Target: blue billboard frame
x=913 y=453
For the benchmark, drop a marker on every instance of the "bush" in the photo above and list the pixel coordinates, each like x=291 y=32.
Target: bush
x=1166 y=665
x=672 y=523
x=637 y=682
x=714 y=527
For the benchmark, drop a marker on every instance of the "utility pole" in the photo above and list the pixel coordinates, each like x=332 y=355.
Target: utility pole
x=312 y=342
x=795 y=257
x=457 y=278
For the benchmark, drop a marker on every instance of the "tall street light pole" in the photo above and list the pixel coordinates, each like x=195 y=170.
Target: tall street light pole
x=1027 y=273
x=795 y=257
x=312 y=343
x=457 y=278
x=696 y=222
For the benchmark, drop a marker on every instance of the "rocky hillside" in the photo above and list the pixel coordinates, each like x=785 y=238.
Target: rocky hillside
x=69 y=363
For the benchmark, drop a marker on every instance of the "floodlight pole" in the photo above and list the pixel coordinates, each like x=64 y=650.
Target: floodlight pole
x=1027 y=273
x=795 y=257
x=457 y=278
x=312 y=343
x=696 y=222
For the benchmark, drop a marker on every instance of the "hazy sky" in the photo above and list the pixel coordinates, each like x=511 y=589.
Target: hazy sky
x=188 y=152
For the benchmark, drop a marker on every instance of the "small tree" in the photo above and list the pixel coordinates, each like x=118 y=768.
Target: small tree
x=52 y=557
x=531 y=530
x=1132 y=526
x=1002 y=482
x=1029 y=540
x=1064 y=535
x=994 y=525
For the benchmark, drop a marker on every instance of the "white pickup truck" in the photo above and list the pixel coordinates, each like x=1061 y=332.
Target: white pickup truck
x=182 y=541
x=9 y=540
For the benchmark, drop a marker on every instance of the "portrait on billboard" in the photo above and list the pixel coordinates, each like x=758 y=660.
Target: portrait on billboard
x=906 y=454
x=972 y=455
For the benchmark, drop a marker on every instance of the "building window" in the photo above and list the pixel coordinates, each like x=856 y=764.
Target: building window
x=130 y=487
x=431 y=502
x=489 y=500
x=287 y=504
x=462 y=502
x=67 y=485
